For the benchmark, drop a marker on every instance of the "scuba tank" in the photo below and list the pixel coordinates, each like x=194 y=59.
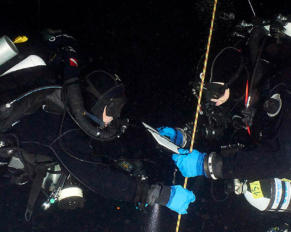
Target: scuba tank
x=266 y=195
x=7 y=49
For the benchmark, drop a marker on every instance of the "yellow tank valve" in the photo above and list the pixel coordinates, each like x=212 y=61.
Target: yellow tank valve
x=20 y=39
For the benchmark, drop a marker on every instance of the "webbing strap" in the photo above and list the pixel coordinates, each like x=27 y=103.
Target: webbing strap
x=34 y=191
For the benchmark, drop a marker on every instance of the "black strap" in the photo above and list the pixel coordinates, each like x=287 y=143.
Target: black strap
x=272 y=198
x=35 y=189
x=282 y=196
x=235 y=76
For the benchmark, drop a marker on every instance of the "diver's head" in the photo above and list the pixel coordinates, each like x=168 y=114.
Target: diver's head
x=103 y=97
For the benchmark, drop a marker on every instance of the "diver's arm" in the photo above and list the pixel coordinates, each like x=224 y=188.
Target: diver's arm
x=255 y=164
x=25 y=106
x=75 y=99
x=174 y=197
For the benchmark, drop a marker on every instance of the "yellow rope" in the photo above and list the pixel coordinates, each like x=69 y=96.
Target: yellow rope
x=199 y=99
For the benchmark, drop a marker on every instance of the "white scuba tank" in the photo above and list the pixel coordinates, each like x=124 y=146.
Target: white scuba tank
x=8 y=50
x=269 y=194
x=29 y=62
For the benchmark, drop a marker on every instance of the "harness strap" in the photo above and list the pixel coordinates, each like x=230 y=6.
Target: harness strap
x=35 y=189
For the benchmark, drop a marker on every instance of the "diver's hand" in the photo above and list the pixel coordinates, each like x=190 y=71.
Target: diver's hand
x=222 y=99
x=219 y=101
x=174 y=135
x=190 y=164
x=180 y=199
x=174 y=197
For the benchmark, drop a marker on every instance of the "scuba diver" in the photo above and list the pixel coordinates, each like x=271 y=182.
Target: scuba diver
x=53 y=121
x=258 y=167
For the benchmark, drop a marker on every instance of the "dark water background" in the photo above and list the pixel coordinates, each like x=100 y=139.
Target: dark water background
x=155 y=47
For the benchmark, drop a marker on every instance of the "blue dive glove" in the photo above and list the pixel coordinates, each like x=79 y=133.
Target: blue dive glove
x=175 y=135
x=190 y=165
x=180 y=199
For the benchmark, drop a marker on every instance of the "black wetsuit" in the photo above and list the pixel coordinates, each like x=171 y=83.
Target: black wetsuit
x=267 y=152
x=272 y=155
x=269 y=63
x=38 y=132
